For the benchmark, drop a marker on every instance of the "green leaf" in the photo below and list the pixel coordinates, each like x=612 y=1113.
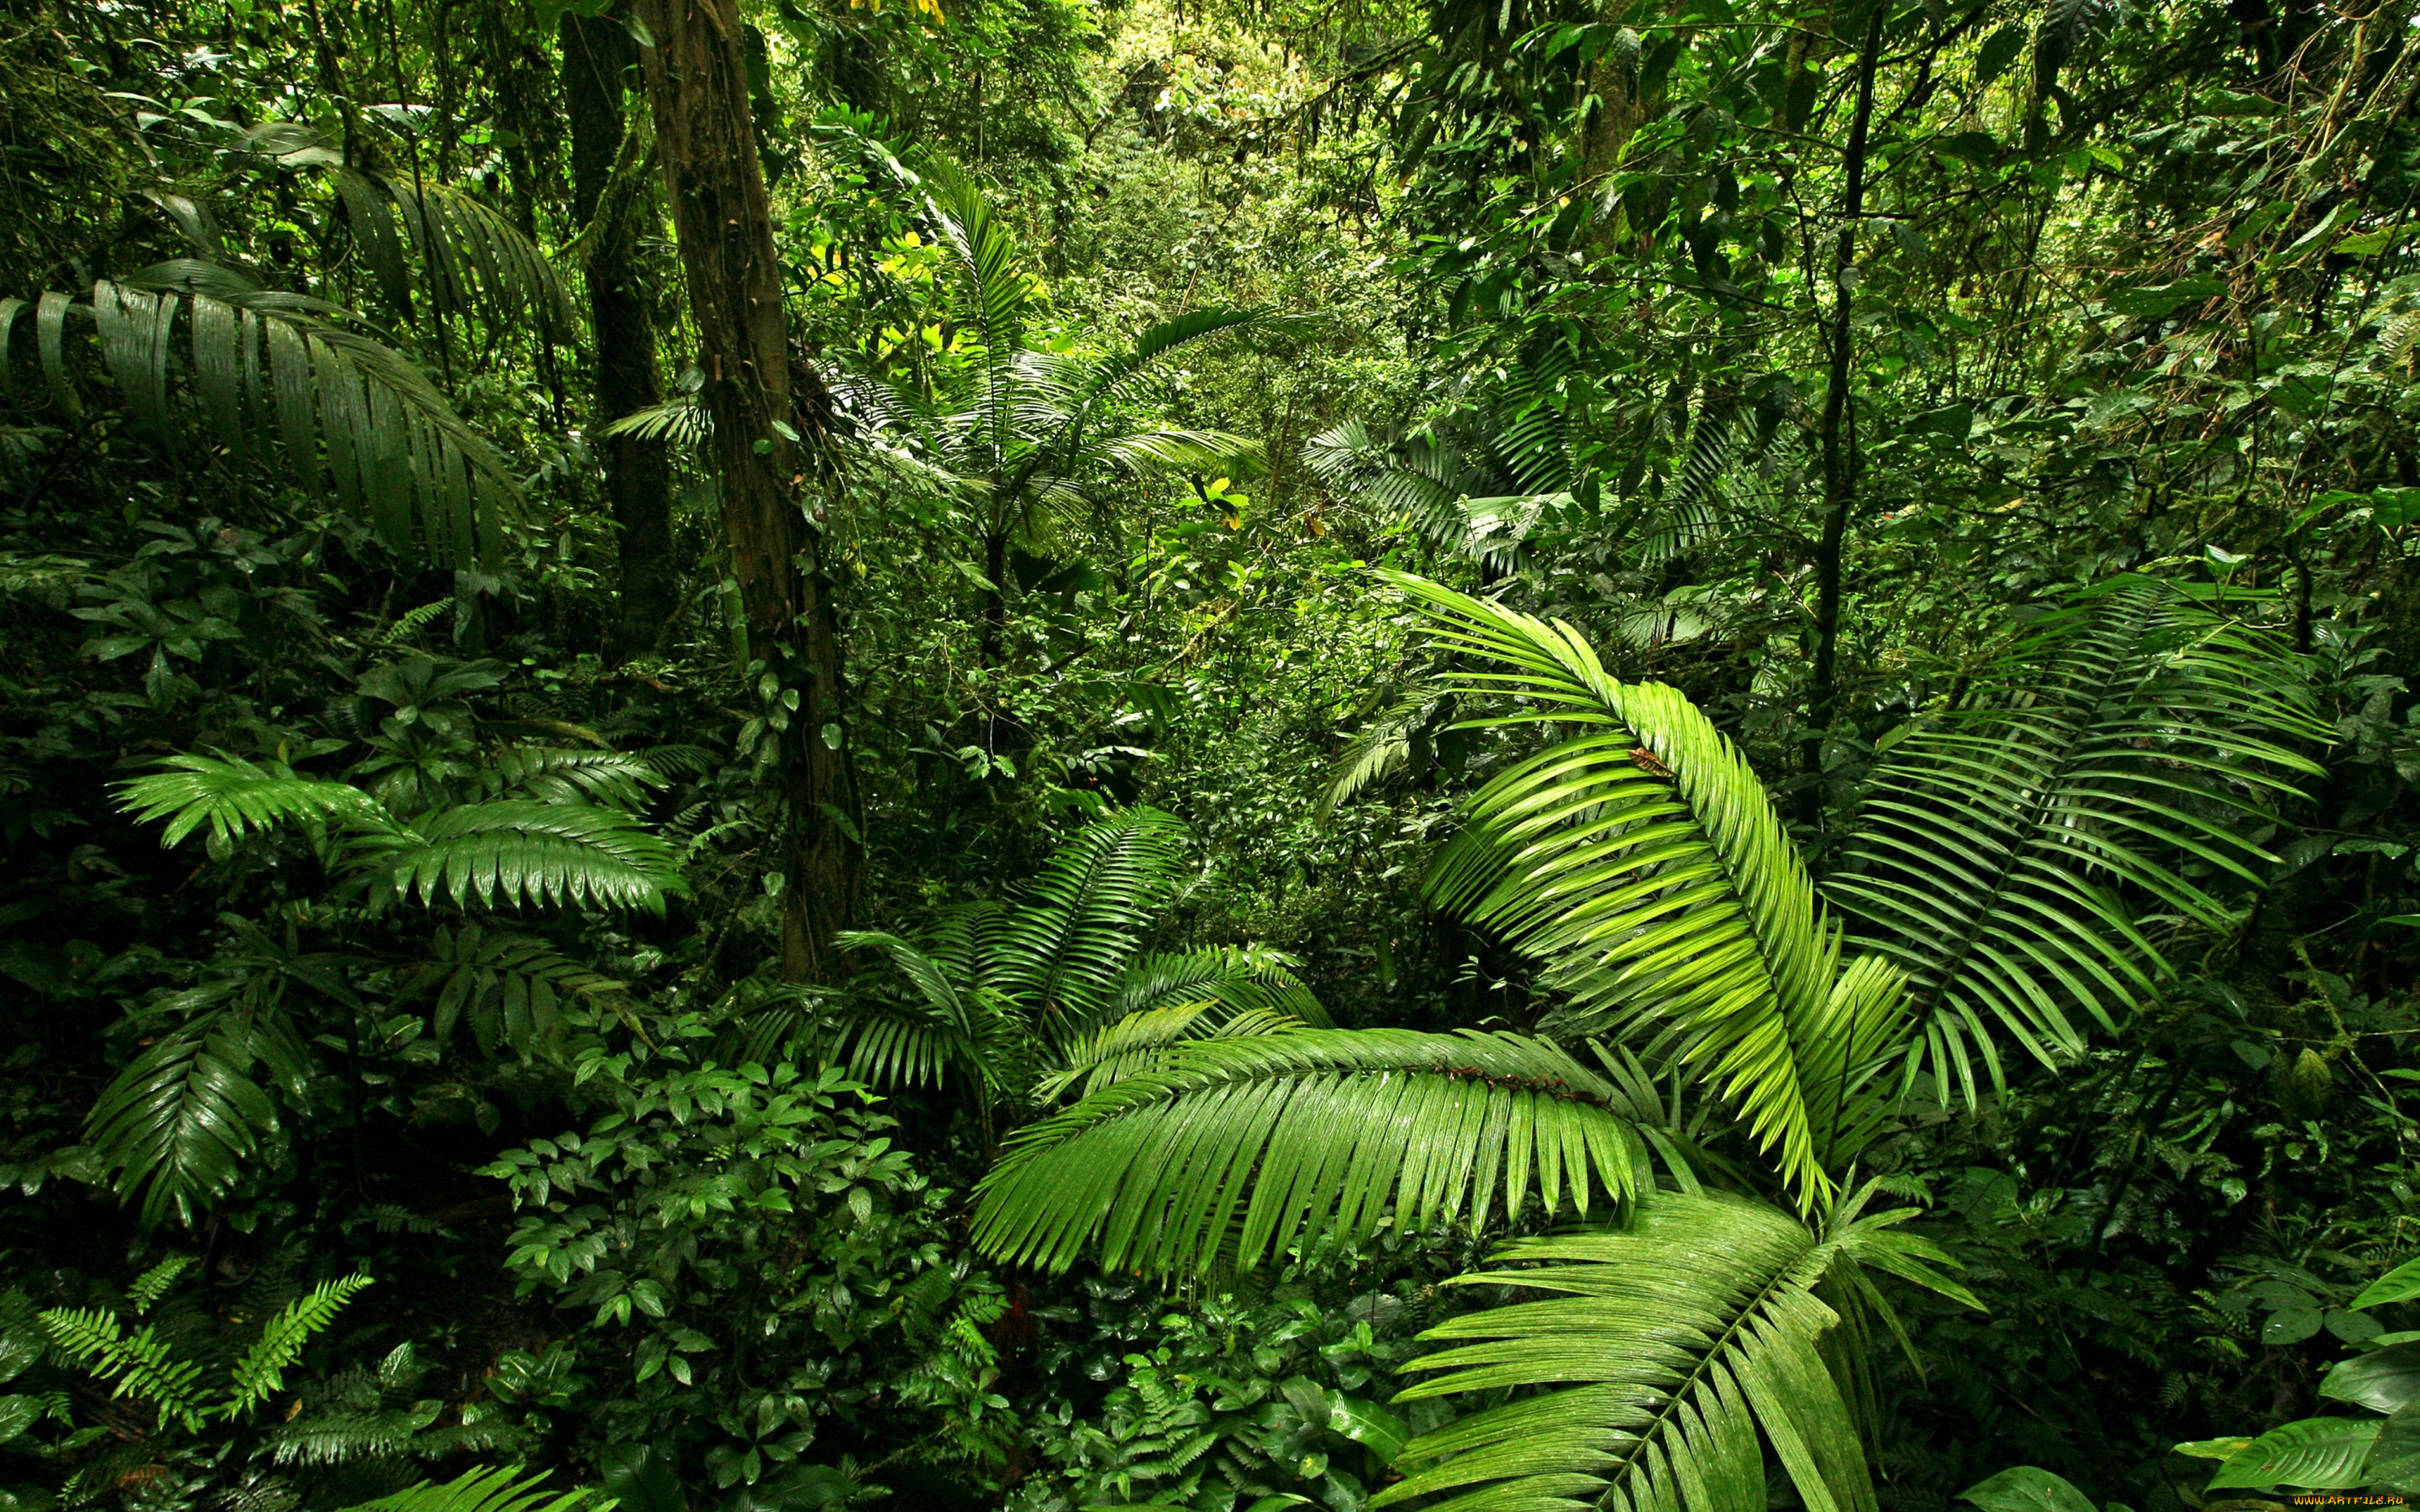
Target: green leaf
x=1235 y=1150
x=1677 y=1349
x=261 y=1371
x=2026 y=1488
x=2384 y=1381
x=2315 y=1453
x=2401 y=1283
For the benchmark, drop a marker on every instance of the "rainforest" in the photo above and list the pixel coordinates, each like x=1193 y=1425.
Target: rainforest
x=1224 y=755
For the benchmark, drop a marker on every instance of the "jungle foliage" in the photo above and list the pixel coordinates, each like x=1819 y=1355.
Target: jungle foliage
x=1509 y=755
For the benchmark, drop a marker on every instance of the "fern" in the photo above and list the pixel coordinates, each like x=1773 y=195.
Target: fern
x=146 y=1290
x=262 y=1369
x=140 y=1366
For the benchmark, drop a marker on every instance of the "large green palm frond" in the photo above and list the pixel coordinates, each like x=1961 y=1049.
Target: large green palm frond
x=1062 y=948
x=525 y=852
x=501 y=1489
x=1674 y=1354
x=1641 y=861
x=473 y=259
x=952 y=1024
x=179 y=1124
x=2021 y=854
x=1168 y=996
x=261 y=363
x=554 y=774
x=236 y=798
x=1235 y=1150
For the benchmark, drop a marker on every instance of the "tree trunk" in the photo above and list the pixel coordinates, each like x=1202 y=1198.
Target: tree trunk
x=697 y=79
x=1839 y=465
x=597 y=55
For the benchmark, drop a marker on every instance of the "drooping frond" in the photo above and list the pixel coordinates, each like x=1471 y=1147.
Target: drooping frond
x=235 y=797
x=139 y=1366
x=504 y=1488
x=2115 y=759
x=179 y=1123
x=261 y=1371
x=1387 y=745
x=1642 y=862
x=1062 y=948
x=471 y=259
x=345 y=405
x=512 y=988
x=1415 y=480
x=1172 y=451
x=525 y=852
x=954 y=1024
x=1238 y=1149
x=1104 y=380
x=556 y=774
x=1675 y=1352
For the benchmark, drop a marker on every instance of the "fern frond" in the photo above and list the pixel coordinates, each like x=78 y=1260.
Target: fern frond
x=261 y=1370
x=139 y=1366
x=503 y=1489
x=1242 y=1147
x=2127 y=746
x=146 y=1290
x=236 y=798
x=1674 y=1354
x=1642 y=862
x=519 y=852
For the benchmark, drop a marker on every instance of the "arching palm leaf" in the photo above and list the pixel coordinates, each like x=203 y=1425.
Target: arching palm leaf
x=1135 y=1043
x=1642 y=862
x=1238 y=1149
x=1675 y=1353
x=520 y=852
x=346 y=407
x=2123 y=748
x=179 y=1124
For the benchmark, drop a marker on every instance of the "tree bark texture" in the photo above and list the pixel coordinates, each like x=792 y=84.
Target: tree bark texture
x=598 y=56
x=697 y=82
x=1838 y=461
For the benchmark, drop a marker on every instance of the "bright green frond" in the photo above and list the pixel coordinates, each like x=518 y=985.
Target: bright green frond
x=1642 y=862
x=504 y=1488
x=1173 y=451
x=532 y=854
x=554 y=774
x=139 y=1366
x=1135 y=1043
x=1674 y=1354
x=1240 y=1149
x=261 y=1371
x=2115 y=763
x=236 y=796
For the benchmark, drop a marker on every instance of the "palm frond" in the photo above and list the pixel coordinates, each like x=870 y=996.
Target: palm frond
x=558 y=775
x=520 y=852
x=1063 y=947
x=1225 y=978
x=503 y=1489
x=345 y=405
x=1172 y=451
x=511 y=987
x=179 y=1123
x=1104 y=380
x=261 y=1371
x=471 y=257
x=2117 y=757
x=1238 y=1149
x=236 y=798
x=1642 y=862
x=990 y=290
x=1675 y=1352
